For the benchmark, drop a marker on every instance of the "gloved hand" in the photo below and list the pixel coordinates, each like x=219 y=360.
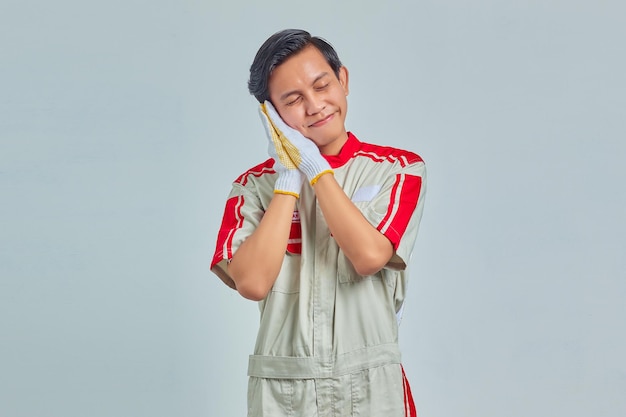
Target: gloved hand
x=303 y=152
x=290 y=178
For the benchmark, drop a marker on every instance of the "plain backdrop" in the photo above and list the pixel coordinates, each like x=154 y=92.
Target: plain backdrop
x=123 y=124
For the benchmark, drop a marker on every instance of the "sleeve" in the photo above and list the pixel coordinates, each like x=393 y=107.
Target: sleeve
x=242 y=215
x=397 y=209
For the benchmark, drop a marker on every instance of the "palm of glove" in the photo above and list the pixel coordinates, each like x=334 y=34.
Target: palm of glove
x=290 y=179
x=292 y=147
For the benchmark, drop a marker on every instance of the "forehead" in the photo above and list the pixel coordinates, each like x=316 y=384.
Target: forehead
x=299 y=69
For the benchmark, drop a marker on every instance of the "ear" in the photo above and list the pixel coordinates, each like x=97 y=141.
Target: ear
x=343 y=79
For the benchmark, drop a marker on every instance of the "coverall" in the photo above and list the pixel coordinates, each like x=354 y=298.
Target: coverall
x=328 y=338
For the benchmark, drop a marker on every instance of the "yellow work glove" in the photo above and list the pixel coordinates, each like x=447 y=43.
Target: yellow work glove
x=303 y=152
x=290 y=178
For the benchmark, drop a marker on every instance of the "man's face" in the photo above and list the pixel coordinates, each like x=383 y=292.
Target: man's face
x=311 y=99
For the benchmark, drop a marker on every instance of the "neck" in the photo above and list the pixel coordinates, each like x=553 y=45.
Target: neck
x=334 y=147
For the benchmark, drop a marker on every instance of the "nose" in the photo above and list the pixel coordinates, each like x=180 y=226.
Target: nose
x=314 y=105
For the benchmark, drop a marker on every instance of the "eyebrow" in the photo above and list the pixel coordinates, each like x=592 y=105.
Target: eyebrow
x=288 y=93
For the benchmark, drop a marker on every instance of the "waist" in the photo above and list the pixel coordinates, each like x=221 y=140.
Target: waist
x=311 y=367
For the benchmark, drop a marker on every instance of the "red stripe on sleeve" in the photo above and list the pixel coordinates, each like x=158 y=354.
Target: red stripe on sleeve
x=403 y=200
x=231 y=222
x=392 y=204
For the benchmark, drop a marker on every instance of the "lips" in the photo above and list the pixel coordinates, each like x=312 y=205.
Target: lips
x=323 y=121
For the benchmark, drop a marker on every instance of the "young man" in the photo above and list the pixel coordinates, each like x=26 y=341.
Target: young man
x=320 y=234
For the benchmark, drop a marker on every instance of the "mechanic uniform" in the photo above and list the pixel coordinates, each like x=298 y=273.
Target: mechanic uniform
x=328 y=337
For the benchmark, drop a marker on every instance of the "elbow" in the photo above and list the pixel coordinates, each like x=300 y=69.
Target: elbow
x=370 y=264
x=249 y=284
x=252 y=290
x=371 y=257
x=366 y=270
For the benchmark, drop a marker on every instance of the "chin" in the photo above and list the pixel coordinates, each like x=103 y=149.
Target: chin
x=326 y=137
x=322 y=141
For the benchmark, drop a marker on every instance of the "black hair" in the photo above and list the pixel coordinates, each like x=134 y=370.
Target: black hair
x=276 y=49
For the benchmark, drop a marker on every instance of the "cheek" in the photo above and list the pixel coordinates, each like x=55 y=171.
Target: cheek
x=292 y=119
x=341 y=98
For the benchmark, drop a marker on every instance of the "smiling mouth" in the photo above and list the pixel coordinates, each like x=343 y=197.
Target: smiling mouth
x=322 y=121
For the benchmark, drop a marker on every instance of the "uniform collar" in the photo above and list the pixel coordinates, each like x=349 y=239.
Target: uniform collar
x=348 y=150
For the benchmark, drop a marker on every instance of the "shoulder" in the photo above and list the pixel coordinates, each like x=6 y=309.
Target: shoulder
x=254 y=188
x=264 y=170
x=386 y=154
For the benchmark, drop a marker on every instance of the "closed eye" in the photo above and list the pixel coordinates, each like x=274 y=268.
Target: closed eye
x=294 y=101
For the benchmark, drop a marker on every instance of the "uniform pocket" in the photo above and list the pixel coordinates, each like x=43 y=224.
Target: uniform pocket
x=378 y=392
x=269 y=397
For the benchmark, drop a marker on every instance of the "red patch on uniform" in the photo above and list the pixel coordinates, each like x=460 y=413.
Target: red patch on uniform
x=294 y=244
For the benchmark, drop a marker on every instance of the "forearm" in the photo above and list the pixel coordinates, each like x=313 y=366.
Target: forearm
x=367 y=249
x=256 y=264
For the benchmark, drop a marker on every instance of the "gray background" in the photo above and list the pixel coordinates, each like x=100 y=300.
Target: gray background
x=122 y=124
